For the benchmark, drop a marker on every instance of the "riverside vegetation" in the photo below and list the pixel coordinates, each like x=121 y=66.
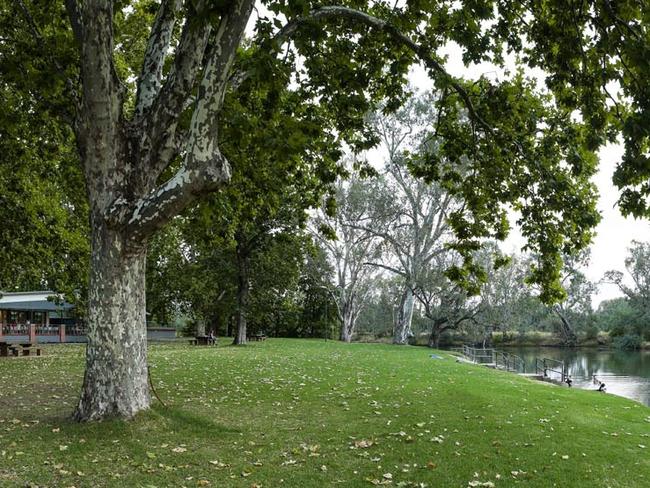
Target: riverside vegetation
x=310 y=413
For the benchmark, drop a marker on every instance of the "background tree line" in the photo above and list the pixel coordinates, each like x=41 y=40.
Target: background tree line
x=376 y=258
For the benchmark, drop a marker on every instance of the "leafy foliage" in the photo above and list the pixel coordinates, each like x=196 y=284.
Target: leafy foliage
x=42 y=207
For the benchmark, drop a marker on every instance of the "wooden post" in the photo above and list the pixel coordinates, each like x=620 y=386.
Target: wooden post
x=62 y=333
x=32 y=333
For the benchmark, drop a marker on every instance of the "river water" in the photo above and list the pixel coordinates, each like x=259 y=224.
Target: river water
x=625 y=373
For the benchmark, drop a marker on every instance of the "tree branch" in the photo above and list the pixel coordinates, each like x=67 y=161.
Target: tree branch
x=76 y=21
x=204 y=125
x=149 y=82
x=160 y=205
x=162 y=118
x=328 y=12
x=389 y=268
x=205 y=168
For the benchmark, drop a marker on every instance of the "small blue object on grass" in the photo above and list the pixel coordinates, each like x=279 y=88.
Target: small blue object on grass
x=435 y=356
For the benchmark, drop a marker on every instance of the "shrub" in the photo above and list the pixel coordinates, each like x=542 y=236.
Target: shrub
x=628 y=342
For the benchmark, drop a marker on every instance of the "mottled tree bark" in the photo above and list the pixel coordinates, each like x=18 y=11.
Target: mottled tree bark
x=115 y=383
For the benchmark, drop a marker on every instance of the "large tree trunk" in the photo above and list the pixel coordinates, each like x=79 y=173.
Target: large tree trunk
x=437 y=328
x=123 y=159
x=243 y=291
x=434 y=336
x=347 y=323
x=434 y=339
x=403 y=329
x=115 y=383
x=200 y=327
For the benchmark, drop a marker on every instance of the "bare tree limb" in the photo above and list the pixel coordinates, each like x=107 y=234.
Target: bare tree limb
x=159 y=206
x=204 y=124
x=386 y=267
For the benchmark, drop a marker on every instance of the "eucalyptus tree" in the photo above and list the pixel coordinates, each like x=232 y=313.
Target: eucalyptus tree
x=635 y=284
x=576 y=307
x=149 y=138
x=504 y=291
x=413 y=224
x=349 y=242
x=637 y=266
x=416 y=232
x=447 y=304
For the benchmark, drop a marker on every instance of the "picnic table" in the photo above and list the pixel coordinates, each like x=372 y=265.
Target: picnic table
x=21 y=348
x=257 y=337
x=203 y=340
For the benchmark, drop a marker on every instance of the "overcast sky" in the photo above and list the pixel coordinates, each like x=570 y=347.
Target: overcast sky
x=614 y=234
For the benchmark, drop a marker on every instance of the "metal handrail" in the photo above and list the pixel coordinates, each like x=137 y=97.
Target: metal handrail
x=546 y=365
x=477 y=355
x=509 y=361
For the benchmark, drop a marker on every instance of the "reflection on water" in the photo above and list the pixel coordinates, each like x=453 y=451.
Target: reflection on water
x=626 y=373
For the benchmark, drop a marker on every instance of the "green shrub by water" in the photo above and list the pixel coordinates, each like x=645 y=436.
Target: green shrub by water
x=627 y=342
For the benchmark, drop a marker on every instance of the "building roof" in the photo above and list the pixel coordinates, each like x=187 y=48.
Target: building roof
x=33 y=300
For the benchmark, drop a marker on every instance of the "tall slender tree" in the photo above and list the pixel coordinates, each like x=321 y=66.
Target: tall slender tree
x=350 y=247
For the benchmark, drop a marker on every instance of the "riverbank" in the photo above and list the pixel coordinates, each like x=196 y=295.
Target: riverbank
x=302 y=413
x=533 y=339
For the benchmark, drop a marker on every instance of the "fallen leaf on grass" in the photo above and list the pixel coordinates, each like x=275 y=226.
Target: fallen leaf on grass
x=363 y=444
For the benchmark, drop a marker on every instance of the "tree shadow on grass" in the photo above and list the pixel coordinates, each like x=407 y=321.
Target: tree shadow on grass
x=198 y=425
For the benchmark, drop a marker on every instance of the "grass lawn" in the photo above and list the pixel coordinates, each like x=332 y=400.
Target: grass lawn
x=301 y=413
